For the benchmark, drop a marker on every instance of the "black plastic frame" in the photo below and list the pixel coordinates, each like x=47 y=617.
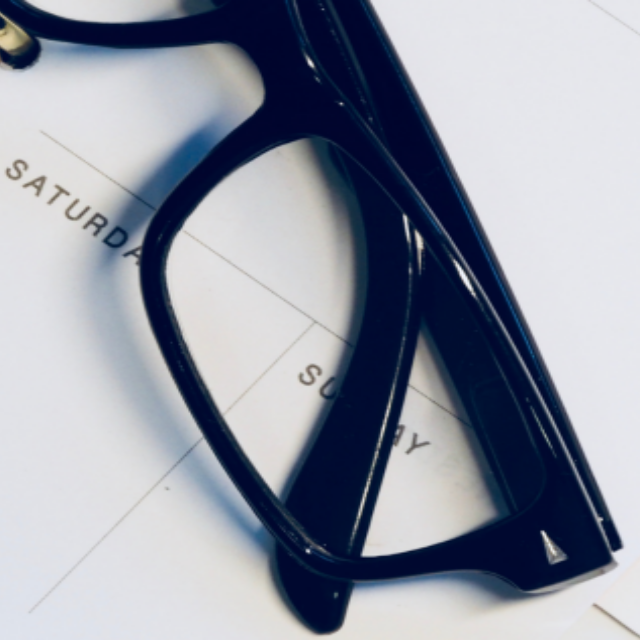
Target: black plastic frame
x=414 y=142
x=302 y=101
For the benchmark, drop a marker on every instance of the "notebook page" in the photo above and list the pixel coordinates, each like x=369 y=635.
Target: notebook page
x=537 y=105
x=118 y=521
x=621 y=599
x=596 y=624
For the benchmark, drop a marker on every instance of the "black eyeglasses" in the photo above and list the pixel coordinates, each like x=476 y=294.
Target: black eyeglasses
x=330 y=74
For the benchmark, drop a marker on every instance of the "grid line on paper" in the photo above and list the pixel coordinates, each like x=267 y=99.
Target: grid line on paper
x=622 y=22
x=116 y=525
x=424 y=395
x=273 y=364
x=184 y=456
x=633 y=634
x=264 y=286
x=164 y=476
x=203 y=244
x=314 y=320
x=75 y=155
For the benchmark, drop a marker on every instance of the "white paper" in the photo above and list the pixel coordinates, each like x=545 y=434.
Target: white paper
x=596 y=624
x=537 y=104
x=116 y=521
x=625 y=12
x=621 y=599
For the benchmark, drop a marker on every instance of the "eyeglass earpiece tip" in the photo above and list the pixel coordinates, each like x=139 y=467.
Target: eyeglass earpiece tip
x=18 y=50
x=321 y=603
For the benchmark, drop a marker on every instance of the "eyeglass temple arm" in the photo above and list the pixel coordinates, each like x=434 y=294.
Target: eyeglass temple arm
x=336 y=488
x=414 y=142
x=214 y=26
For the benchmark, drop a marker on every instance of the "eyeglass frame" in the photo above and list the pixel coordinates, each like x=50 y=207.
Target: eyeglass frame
x=305 y=103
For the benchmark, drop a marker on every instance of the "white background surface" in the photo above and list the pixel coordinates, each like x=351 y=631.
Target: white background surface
x=596 y=624
x=621 y=600
x=537 y=104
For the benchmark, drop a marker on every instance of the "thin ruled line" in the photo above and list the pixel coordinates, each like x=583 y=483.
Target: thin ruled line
x=421 y=393
x=453 y=415
x=115 y=526
x=75 y=155
x=616 y=620
x=315 y=322
x=169 y=472
x=273 y=364
x=624 y=24
x=264 y=286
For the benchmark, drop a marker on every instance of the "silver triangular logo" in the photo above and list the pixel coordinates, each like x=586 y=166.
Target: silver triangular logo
x=554 y=553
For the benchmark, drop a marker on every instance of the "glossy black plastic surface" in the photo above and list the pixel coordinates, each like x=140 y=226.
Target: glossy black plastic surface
x=550 y=501
x=415 y=144
x=383 y=94
x=335 y=491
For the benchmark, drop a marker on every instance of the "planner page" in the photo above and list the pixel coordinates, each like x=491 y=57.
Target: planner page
x=117 y=520
x=597 y=623
x=537 y=104
x=621 y=600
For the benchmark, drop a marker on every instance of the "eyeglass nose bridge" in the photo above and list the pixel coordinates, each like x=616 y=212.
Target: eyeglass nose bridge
x=18 y=50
